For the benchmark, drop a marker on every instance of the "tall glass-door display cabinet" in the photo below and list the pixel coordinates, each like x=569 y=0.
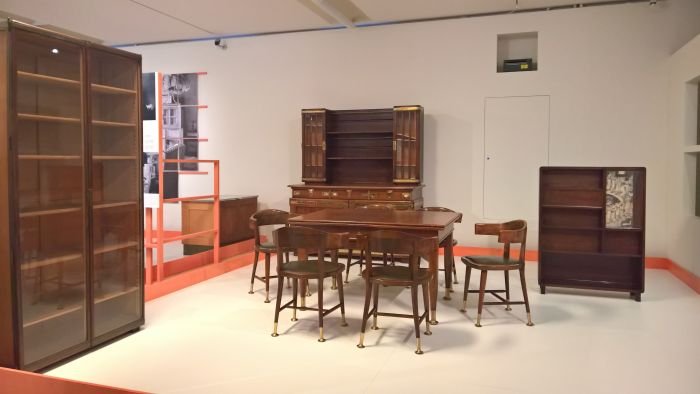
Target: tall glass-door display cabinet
x=71 y=227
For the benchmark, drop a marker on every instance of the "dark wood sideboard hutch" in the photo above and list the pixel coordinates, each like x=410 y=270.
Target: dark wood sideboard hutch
x=353 y=158
x=592 y=228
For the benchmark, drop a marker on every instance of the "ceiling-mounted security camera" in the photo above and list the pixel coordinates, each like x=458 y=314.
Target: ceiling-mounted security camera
x=219 y=43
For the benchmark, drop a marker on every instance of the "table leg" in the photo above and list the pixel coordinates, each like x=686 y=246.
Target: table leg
x=433 y=286
x=449 y=261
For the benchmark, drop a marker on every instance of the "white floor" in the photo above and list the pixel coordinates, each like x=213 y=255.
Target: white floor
x=215 y=338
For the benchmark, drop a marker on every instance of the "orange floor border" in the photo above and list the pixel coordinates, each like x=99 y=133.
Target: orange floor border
x=15 y=381
x=682 y=274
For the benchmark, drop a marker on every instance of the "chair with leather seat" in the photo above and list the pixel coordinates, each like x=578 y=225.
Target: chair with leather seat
x=411 y=275
x=315 y=244
x=443 y=245
x=513 y=232
x=264 y=244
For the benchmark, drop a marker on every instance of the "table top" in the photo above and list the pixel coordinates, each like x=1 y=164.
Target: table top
x=378 y=217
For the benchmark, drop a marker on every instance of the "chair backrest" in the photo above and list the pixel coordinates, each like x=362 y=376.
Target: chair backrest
x=312 y=241
x=396 y=242
x=513 y=232
x=266 y=217
x=440 y=209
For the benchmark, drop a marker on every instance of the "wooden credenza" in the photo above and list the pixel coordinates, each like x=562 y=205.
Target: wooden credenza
x=310 y=198
x=353 y=158
x=234 y=212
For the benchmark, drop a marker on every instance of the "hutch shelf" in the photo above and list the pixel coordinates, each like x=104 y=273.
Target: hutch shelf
x=354 y=158
x=592 y=228
x=71 y=226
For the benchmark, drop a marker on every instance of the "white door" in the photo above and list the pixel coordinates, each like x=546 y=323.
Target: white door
x=516 y=143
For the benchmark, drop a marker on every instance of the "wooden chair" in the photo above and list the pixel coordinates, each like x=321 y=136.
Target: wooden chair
x=266 y=217
x=513 y=232
x=415 y=247
x=444 y=245
x=314 y=241
x=362 y=252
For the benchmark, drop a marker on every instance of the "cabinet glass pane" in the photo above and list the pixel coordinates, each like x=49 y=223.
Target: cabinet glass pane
x=116 y=175
x=51 y=193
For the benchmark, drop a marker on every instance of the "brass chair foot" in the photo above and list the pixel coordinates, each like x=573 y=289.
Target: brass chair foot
x=274 y=334
x=321 y=338
x=434 y=322
x=361 y=345
x=477 y=325
x=463 y=310
x=267 y=301
x=508 y=308
x=274 y=331
x=464 y=307
x=374 y=328
x=418 y=349
x=447 y=296
x=294 y=319
x=346 y=282
x=251 y=292
x=478 y=320
x=345 y=322
x=529 y=321
x=456 y=282
x=428 y=332
x=308 y=293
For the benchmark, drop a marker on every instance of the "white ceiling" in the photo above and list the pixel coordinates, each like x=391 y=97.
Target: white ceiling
x=142 y=21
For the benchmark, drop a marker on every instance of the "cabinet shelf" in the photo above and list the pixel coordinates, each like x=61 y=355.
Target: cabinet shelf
x=692 y=149
x=55 y=315
x=51 y=260
x=571 y=228
x=46 y=79
x=105 y=205
x=348 y=132
x=111 y=89
x=47 y=118
x=48 y=157
x=112 y=124
x=582 y=207
x=112 y=295
x=44 y=211
x=114 y=157
x=361 y=158
x=592 y=254
x=115 y=247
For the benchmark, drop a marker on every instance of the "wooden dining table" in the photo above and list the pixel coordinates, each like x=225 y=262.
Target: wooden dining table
x=422 y=223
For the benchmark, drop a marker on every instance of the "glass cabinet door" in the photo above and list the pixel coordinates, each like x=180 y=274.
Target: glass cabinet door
x=50 y=186
x=314 y=145
x=407 y=159
x=115 y=175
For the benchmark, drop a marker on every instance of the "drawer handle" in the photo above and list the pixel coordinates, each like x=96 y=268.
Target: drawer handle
x=311 y=191
x=406 y=196
x=296 y=192
x=334 y=194
x=325 y=194
x=389 y=192
x=372 y=196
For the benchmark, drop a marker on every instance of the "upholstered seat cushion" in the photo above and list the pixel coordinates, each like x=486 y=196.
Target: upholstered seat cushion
x=490 y=262
x=311 y=267
x=397 y=273
x=267 y=246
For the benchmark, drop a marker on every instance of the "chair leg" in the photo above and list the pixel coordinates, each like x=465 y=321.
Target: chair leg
x=482 y=287
x=454 y=273
x=365 y=313
x=347 y=268
x=267 y=278
x=362 y=260
x=308 y=288
x=416 y=319
x=255 y=267
x=286 y=257
x=295 y=295
x=426 y=304
x=320 y=310
x=278 y=304
x=507 y=277
x=375 y=305
x=302 y=292
x=467 y=276
x=341 y=296
x=527 y=302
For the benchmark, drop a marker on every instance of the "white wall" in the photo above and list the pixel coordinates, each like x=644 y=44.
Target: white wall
x=604 y=67
x=683 y=225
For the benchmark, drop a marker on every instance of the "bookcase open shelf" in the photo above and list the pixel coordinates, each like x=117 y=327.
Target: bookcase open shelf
x=591 y=231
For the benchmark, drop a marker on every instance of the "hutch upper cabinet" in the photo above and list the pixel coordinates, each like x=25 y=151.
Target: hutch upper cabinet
x=355 y=158
x=71 y=227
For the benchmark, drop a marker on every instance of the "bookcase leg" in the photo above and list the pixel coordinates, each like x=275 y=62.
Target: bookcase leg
x=637 y=296
x=542 y=289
